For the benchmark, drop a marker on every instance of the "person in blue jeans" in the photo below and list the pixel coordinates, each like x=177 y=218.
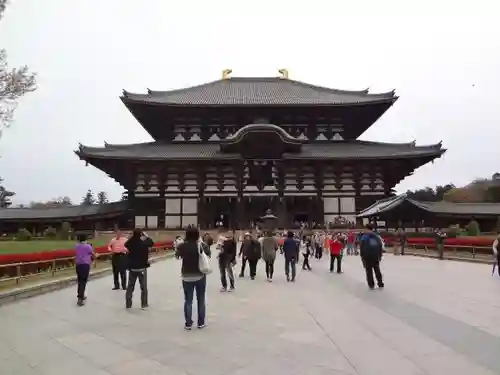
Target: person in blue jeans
x=192 y=278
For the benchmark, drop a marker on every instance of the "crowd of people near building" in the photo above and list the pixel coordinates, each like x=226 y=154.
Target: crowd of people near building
x=267 y=245
x=195 y=251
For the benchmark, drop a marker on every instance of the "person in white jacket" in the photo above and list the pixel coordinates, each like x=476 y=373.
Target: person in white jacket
x=496 y=254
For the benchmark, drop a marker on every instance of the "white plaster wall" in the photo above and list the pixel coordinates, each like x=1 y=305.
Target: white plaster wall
x=330 y=218
x=347 y=204
x=189 y=220
x=140 y=221
x=152 y=222
x=173 y=206
x=331 y=205
x=172 y=222
x=190 y=206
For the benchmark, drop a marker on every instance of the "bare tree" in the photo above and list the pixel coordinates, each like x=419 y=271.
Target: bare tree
x=14 y=83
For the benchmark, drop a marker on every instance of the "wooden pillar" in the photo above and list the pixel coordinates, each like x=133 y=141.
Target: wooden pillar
x=162 y=181
x=282 y=213
x=242 y=217
x=281 y=202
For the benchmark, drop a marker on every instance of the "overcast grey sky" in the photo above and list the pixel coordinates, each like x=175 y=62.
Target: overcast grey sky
x=441 y=56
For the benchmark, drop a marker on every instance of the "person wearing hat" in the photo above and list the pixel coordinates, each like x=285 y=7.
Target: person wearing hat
x=249 y=251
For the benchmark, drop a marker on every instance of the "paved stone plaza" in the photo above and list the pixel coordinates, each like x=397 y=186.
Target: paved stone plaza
x=434 y=317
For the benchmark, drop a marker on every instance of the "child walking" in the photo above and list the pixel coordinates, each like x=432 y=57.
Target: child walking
x=83 y=261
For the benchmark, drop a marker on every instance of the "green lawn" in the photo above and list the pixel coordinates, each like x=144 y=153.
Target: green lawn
x=20 y=247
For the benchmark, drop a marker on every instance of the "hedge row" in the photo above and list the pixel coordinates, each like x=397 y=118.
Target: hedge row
x=57 y=254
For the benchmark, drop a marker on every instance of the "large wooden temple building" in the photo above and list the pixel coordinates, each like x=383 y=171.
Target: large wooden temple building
x=230 y=149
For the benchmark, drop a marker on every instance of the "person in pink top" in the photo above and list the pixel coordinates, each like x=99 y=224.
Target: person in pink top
x=118 y=259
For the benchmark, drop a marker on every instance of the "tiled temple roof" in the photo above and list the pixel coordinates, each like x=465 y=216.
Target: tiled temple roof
x=335 y=150
x=63 y=212
x=258 y=91
x=442 y=207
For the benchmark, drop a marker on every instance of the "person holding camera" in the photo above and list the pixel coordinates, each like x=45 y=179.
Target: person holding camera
x=227 y=260
x=138 y=262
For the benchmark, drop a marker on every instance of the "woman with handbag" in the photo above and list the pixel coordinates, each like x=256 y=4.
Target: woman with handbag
x=195 y=266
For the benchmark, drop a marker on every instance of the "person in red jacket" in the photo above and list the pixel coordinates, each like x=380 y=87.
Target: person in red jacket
x=336 y=253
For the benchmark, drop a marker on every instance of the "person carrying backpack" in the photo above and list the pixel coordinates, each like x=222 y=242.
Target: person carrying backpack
x=371 y=249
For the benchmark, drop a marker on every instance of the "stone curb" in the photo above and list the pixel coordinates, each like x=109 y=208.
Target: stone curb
x=447 y=257
x=50 y=286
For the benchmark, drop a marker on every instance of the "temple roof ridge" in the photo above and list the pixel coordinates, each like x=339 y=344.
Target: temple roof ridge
x=150 y=92
x=258 y=91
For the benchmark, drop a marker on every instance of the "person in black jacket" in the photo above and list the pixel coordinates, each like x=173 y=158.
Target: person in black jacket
x=227 y=260
x=249 y=251
x=371 y=250
x=138 y=262
x=192 y=278
x=291 y=250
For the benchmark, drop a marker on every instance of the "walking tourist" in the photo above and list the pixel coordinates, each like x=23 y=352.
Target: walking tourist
x=496 y=253
x=250 y=252
x=138 y=262
x=371 y=250
x=306 y=253
x=351 y=239
x=291 y=251
x=227 y=260
x=243 y=253
x=254 y=253
x=178 y=240
x=269 y=246
x=399 y=246
x=315 y=241
x=83 y=260
x=336 y=247
x=118 y=260
x=207 y=239
x=193 y=280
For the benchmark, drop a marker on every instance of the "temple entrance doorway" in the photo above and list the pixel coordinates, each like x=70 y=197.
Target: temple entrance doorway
x=221 y=220
x=255 y=207
x=300 y=218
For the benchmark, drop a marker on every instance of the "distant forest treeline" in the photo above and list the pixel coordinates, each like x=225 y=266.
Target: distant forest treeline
x=478 y=191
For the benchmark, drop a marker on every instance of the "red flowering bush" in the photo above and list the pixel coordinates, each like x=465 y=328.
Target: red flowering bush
x=57 y=254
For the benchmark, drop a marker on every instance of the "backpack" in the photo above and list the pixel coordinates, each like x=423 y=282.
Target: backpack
x=373 y=245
